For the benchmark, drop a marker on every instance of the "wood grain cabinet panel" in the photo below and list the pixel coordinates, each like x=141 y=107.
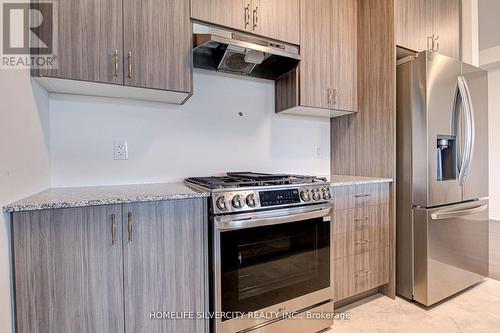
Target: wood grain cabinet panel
x=89 y=33
x=68 y=271
x=446 y=25
x=234 y=14
x=165 y=266
x=277 y=19
x=413 y=23
x=314 y=70
x=327 y=74
x=157 y=44
x=344 y=52
x=417 y=20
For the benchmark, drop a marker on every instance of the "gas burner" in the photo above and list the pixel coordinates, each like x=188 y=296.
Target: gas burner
x=250 y=179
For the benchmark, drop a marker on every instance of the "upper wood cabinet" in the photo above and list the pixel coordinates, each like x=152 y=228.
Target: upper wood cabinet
x=106 y=268
x=276 y=19
x=89 y=38
x=136 y=44
x=325 y=83
x=157 y=37
x=418 y=21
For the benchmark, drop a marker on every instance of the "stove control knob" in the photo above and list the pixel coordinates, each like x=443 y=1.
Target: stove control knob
x=304 y=194
x=238 y=201
x=251 y=202
x=326 y=194
x=316 y=195
x=221 y=203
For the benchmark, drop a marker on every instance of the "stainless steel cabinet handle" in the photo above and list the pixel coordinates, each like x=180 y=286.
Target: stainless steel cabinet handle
x=130 y=227
x=436 y=48
x=363 y=195
x=329 y=96
x=255 y=18
x=116 y=63
x=247 y=15
x=113 y=229
x=334 y=96
x=129 y=75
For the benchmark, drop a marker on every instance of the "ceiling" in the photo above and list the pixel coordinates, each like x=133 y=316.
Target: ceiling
x=489 y=23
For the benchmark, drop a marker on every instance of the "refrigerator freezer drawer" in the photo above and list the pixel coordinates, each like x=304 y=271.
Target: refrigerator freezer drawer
x=451 y=250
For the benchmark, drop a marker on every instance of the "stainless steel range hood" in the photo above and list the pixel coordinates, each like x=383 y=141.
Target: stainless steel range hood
x=237 y=53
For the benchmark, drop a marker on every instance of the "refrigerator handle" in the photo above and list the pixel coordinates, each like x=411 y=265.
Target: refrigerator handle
x=458 y=213
x=463 y=88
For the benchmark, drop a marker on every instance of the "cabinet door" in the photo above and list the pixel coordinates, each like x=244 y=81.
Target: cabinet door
x=157 y=44
x=446 y=25
x=413 y=23
x=165 y=264
x=236 y=14
x=315 y=41
x=68 y=272
x=344 y=55
x=89 y=34
x=277 y=19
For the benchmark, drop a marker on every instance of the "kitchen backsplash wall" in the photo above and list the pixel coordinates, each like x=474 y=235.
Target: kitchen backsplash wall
x=228 y=125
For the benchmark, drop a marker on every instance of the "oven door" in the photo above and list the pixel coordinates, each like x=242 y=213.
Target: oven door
x=270 y=263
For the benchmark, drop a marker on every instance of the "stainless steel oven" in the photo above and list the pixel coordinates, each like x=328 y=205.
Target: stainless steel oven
x=270 y=264
x=270 y=254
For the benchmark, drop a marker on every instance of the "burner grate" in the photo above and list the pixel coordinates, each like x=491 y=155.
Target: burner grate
x=249 y=179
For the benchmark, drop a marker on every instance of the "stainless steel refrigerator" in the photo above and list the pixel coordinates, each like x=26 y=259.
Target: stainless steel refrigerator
x=442 y=177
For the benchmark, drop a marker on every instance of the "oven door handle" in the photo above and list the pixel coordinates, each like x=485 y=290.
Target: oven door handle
x=230 y=223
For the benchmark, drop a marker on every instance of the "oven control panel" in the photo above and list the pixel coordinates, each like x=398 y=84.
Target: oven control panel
x=248 y=200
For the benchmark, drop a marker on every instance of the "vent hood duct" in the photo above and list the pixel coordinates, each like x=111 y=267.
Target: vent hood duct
x=236 y=53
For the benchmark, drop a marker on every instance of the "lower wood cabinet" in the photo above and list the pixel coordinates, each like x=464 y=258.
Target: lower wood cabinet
x=107 y=268
x=361 y=239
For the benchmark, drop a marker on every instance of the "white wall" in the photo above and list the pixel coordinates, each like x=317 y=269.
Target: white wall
x=24 y=162
x=494 y=147
x=206 y=136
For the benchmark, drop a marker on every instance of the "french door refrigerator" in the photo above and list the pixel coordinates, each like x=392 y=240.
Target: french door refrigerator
x=442 y=177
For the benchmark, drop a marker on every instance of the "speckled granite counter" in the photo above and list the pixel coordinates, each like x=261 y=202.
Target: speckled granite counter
x=339 y=180
x=103 y=195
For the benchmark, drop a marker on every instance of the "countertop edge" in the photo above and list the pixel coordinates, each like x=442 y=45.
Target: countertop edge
x=361 y=182
x=16 y=208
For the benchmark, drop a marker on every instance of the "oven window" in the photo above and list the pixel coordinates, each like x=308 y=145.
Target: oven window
x=267 y=265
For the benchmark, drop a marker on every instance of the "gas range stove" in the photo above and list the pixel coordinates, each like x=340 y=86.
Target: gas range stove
x=247 y=191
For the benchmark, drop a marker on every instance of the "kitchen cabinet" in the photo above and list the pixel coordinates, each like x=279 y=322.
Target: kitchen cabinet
x=275 y=19
x=164 y=243
x=68 y=273
x=360 y=233
x=325 y=83
x=122 y=48
x=428 y=24
x=157 y=44
x=106 y=268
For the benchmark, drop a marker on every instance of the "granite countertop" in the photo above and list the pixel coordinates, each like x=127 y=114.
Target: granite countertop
x=103 y=195
x=339 y=180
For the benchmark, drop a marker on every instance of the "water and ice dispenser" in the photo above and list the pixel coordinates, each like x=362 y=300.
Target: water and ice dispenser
x=446 y=157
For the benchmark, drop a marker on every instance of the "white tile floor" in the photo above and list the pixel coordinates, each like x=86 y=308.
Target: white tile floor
x=476 y=310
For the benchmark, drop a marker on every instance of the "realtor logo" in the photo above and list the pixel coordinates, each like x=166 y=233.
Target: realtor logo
x=29 y=31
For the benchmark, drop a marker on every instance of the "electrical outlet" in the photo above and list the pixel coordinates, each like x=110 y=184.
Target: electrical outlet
x=120 y=150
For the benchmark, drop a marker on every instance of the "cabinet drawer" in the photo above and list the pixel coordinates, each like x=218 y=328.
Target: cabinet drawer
x=361 y=272
x=361 y=241
x=346 y=197
x=356 y=219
